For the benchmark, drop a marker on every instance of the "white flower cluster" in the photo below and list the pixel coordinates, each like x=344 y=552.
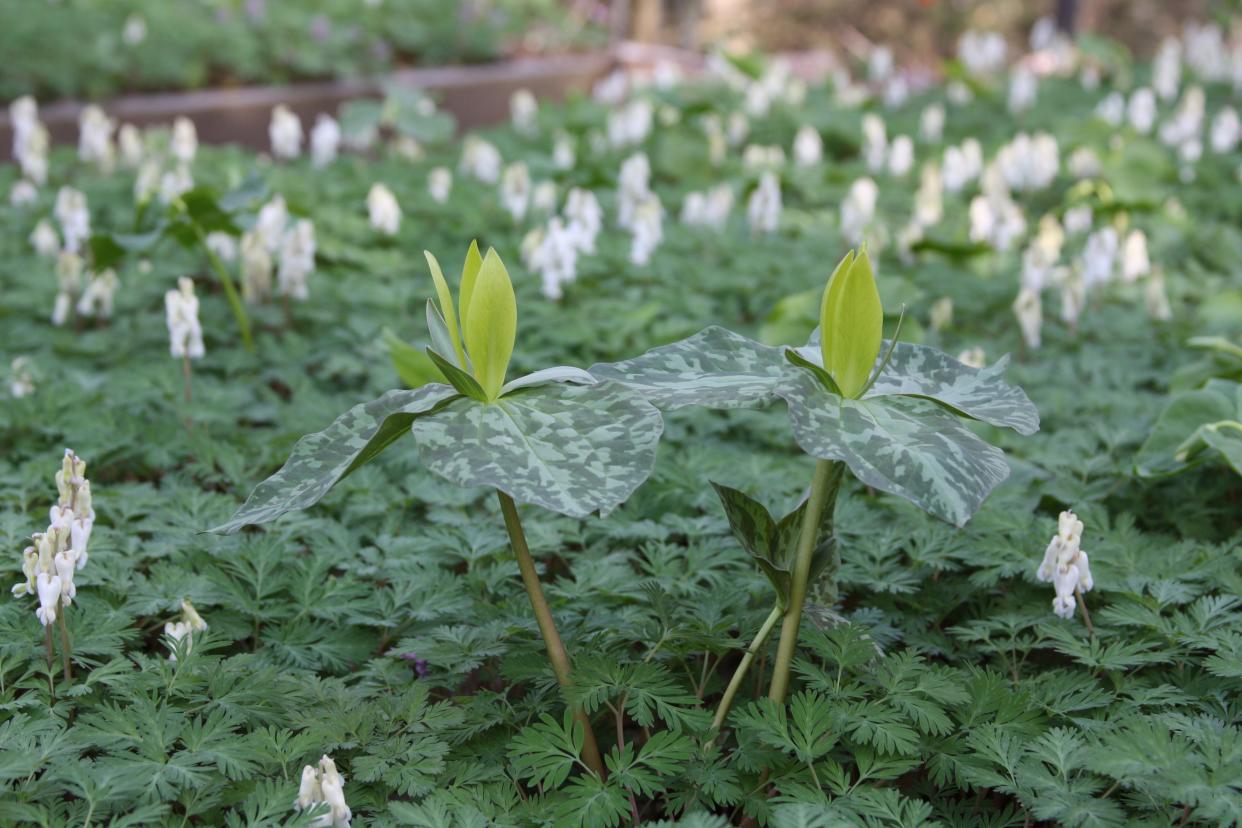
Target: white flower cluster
x=297 y=260
x=962 y=165
x=524 y=112
x=185 y=334
x=808 y=147
x=30 y=139
x=630 y=124
x=633 y=188
x=710 y=208
x=480 y=159
x=325 y=140
x=323 y=784
x=184 y=628
x=95 y=145
x=1029 y=163
x=515 y=190
x=982 y=53
x=74 y=216
x=440 y=184
x=995 y=218
x=858 y=210
x=49 y=565
x=553 y=250
x=647 y=227
x=764 y=207
x=383 y=211
x=285 y=133
x=1066 y=565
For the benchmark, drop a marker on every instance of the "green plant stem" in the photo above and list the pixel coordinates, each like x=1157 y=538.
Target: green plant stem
x=65 y=645
x=557 y=653
x=230 y=290
x=824 y=486
x=739 y=675
x=51 y=660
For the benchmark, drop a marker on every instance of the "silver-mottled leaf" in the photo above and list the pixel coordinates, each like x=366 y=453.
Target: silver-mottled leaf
x=574 y=449
x=321 y=459
x=901 y=445
x=561 y=373
x=715 y=368
x=981 y=393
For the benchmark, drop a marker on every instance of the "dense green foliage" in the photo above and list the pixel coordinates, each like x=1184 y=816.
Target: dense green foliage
x=388 y=628
x=92 y=48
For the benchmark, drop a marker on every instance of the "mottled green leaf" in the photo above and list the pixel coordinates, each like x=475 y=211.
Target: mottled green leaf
x=321 y=459
x=574 y=449
x=904 y=446
x=715 y=368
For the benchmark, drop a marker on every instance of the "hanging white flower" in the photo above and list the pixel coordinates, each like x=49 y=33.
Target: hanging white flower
x=44 y=239
x=297 y=260
x=764 y=207
x=648 y=229
x=630 y=124
x=931 y=123
x=130 y=145
x=184 y=628
x=223 y=245
x=1187 y=122
x=1079 y=219
x=1226 y=131
x=383 y=210
x=69 y=285
x=563 y=155
x=256 y=268
x=808 y=147
x=74 y=217
x=1156 y=299
x=23 y=193
x=1166 y=69
x=1083 y=163
x=1073 y=294
x=632 y=187
x=584 y=218
x=1023 y=89
x=757 y=157
x=901 y=156
x=941 y=316
x=440 y=184
x=185 y=334
x=524 y=112
x=708 y=209
x=543 y=198
x=21 y=378
x=325 y=140
x=858 y=210
x=929 y=198
x=175 y=182
x=480 y=159
x=1112 y=109
x=982 y=53
x=147 y=181
x=875 y=141
x=270 y=223
x=285 y=133
x=184 y=144
x=95 y=138
x=1141 y=110
x=515 y=190
x=135 y=30
x=1029 y=163
x=1065 y=564
x=100 y=295
x=1099 y=257
x=1028 y=308
x=552 y=252
x=962 y=164
x=30 y=139
x=324 y=785
x=1134 y=260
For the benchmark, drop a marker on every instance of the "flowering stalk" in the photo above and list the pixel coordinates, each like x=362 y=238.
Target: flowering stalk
x=557 y=653
x=739 y=675
x=230 y=290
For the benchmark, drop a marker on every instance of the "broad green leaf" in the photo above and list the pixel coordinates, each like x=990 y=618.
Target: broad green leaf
x=321 y=459
x=491 y=324
x=448 y=313
x=715 y=368
x=851 y=323
x=1181 y=418
x=1226 y=438
x=574 y=449
x=904 y=446
x=469 y=276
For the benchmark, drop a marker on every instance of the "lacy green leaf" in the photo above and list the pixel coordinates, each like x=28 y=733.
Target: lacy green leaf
x=321 y=459
x=574 y=449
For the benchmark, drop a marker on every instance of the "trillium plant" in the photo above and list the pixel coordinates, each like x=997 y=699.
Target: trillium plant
x=559 y=438
x=890 y=413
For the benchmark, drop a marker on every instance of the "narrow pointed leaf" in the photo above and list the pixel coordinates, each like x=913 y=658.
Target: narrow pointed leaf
x=574 y=449
x=561 y=373
x=448 y=313
x=793 y=357
x=441 y=340
x=321 y=459
x=491 y=325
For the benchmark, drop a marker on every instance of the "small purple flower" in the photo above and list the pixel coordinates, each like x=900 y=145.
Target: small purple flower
x=421 y=667
x=256 y=10
x=320 y=28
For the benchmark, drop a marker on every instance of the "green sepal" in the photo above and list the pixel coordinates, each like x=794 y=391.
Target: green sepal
x=851 y=321
x=469 y=275
x=491 y=324
x=448 y=313
x=794 y=358
x=459 y=379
